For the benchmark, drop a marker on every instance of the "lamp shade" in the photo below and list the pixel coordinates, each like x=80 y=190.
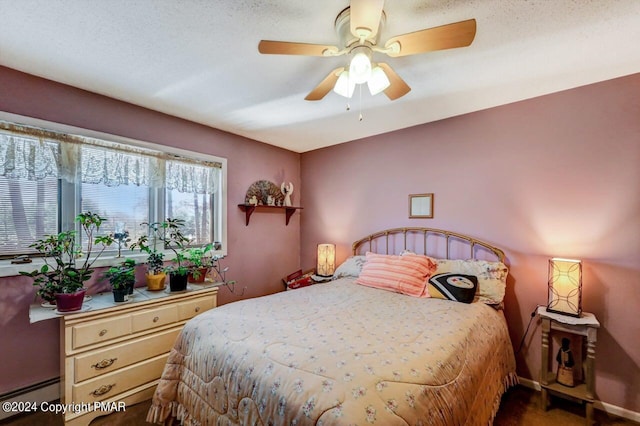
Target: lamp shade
x=326 y=260
x=344 y=86
x=360 y=67
x=565 y=287
x=378 y=81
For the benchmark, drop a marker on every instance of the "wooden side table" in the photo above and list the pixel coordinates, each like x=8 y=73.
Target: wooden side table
x=587 y=327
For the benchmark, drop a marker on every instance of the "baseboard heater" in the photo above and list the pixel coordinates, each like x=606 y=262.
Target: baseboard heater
x=46 y=391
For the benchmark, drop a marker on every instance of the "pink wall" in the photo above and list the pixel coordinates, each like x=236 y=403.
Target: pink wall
x=553 y=176
x=259 y=255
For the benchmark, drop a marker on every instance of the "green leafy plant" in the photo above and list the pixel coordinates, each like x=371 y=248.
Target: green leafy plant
x=123 y=275
x=162 y=236
x=63 y=271
x=198 y=259
x=155 y=262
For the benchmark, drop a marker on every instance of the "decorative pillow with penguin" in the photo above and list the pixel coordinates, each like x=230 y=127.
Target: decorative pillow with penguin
x=452 y=286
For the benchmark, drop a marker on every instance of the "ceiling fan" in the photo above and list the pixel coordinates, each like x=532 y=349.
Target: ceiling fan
x=358 y=27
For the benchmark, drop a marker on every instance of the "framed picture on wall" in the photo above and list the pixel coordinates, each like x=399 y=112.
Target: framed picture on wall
x=421 y=206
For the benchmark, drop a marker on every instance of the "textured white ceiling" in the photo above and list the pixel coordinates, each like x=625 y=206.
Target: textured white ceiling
x=198 y=59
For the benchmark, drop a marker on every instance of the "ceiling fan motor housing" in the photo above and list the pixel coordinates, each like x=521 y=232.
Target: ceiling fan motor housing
x=343 y=30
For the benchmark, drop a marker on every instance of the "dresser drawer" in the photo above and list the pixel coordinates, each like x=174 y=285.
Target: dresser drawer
x=96 y=363
x=194 y=307
x=119 y=381
x=152 y=318
x=100 y=330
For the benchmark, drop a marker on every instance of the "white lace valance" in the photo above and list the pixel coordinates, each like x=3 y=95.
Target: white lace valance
x=191 y=178
x=28 y=158
x=114 y=168
x=36 y=154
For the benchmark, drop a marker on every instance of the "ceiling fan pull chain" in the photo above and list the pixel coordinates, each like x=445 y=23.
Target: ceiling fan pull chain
x=360 y=96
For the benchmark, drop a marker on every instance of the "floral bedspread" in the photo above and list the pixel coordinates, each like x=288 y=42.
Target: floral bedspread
x=338 y=353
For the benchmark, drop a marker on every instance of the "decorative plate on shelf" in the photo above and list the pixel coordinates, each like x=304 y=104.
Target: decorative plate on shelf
x=262 y=190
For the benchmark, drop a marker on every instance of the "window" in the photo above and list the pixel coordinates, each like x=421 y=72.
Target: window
x=47 y=177
x=28 y=211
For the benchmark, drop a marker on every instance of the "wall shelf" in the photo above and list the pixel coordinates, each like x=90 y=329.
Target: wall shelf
x=248 y=210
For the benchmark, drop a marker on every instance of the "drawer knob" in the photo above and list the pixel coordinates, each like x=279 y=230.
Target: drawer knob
x=104 y=363
x=102 y=390
x=103 y=332
x=197 y=309
x=156 y=319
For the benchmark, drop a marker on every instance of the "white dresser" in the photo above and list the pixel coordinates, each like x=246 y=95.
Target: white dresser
x=115 y=355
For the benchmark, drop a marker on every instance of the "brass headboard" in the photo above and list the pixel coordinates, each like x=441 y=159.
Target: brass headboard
x=431 y=242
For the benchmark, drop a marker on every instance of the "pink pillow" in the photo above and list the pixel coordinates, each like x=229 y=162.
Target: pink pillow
x=407 y=274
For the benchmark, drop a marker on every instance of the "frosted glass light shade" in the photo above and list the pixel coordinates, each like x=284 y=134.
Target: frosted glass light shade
x=326 y=265
x=360 y=68
x=345 y=85
x=565 y=287
x=378 y=81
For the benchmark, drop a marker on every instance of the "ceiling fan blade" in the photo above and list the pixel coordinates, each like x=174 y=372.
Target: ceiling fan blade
x=398 y=87
x=325 y=85
x=459 y=34
x=270 y=47
x=365 y=17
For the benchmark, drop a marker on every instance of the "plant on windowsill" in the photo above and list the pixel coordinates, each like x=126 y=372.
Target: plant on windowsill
x=198 y=260
x=122 y=278
x=61 y=279
x=164 y=235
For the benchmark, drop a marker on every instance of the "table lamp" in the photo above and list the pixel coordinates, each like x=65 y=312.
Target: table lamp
x=326 y=260
x=565 y=287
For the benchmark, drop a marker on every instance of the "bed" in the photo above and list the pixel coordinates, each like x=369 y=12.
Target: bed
x=346 y=352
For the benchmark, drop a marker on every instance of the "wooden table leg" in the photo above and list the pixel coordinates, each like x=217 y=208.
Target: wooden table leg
x=591 y=358
x=544 y=401
x=589 y=410
x=544 y=365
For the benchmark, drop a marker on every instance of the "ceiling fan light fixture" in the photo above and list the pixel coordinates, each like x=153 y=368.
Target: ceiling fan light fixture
x=378 y=81
x=345 y=85
x=360 y=67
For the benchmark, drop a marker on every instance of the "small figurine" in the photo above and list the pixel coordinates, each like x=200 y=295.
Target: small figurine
x=271 y=201
x=287 y=191
x=565 y=364
x=253 y=201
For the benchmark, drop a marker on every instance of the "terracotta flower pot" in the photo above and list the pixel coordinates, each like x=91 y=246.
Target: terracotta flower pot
x=69 y=302
x=199 y=277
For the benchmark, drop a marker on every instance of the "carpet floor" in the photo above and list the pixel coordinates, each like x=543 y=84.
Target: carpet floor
x=520 y=406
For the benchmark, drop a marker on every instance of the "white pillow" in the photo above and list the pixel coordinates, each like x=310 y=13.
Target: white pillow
x=492 y=276
x=350 y=267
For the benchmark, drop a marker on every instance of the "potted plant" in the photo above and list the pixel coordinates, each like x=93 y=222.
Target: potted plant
x=161 y=236
x=156 y=276
x=63 y=275
x=122 y=278
x=155 y=257
x=198 y=261
x=176 y=241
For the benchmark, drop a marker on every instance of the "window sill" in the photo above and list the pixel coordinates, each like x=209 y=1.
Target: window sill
x=8 y=269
